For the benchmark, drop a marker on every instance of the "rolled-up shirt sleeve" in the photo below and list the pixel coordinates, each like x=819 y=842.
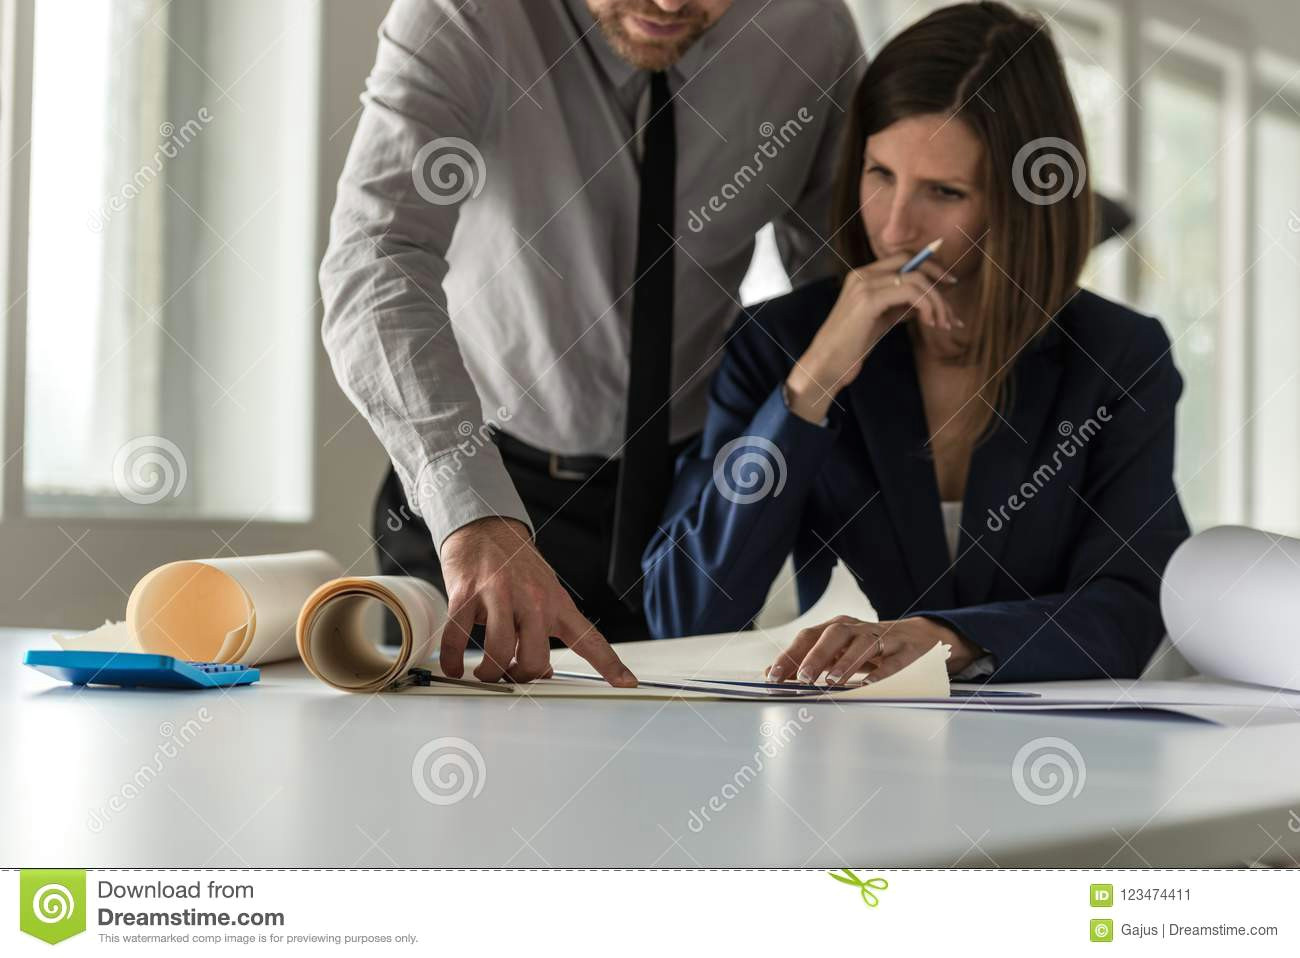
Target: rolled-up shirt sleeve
x=386 y=326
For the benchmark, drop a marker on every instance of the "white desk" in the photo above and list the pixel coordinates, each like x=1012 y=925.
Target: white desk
x=291 y=773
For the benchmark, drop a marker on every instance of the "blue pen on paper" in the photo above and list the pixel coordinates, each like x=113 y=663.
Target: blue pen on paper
x=922 y=256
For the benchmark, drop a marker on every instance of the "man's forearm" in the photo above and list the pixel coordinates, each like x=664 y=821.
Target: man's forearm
x=386 y=324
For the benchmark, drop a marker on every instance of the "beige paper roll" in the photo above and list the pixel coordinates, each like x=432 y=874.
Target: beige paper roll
x=332 y=639
x=231 y=609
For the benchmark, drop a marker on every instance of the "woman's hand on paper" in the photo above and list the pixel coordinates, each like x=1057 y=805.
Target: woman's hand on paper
x=872 y=299
x=845 y=645
x=496 y=577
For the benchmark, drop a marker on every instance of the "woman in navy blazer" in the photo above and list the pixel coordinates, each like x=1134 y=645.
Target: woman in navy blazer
x=844 y=413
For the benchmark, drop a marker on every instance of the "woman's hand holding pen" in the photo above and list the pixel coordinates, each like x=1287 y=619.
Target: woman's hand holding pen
x=872 y=299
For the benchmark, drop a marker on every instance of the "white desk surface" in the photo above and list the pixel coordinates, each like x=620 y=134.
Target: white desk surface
x=292 y=773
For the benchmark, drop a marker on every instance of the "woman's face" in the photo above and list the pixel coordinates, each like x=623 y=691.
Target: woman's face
x=920 y=182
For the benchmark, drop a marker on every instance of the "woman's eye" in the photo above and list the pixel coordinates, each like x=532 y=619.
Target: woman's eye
x=878 y=171
x=948 y=193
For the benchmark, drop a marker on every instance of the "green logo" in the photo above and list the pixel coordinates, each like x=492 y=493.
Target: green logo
x=1099 y=929
x=52 y=903
x=1101 y=896
x=865 y=887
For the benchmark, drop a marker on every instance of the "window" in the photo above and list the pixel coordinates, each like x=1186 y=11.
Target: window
x=1090 y=46
x=171 y=282
x=1179 y=270
x=1275 y=383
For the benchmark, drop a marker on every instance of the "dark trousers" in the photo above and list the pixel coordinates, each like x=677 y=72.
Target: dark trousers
x=573 y=521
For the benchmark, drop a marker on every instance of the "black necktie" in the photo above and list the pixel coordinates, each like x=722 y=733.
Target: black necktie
x=644 y=471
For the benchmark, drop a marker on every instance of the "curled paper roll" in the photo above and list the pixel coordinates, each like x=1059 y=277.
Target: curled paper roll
x=332 y=638
x=231 y=609
x=1230 y=598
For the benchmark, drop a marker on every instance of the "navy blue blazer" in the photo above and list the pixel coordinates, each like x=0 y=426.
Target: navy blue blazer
x=1069 y=518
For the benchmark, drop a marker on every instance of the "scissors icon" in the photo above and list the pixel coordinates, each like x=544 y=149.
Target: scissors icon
x=865 y=887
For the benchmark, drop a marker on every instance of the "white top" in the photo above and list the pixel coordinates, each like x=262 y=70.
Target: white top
x=951 y=518
x=984 y=665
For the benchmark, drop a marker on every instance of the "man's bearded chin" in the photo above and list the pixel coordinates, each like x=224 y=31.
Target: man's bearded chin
x=646 y=53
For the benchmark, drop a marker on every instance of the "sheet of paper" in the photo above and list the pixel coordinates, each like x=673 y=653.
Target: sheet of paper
x=732 y=655
x=1231 y=716
x=109 y=637
x=926 y=678
x=1230 y=704
x=1199 y=691
x=736 y=654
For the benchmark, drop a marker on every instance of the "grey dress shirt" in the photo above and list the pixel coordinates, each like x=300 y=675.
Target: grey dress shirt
x=483 y=244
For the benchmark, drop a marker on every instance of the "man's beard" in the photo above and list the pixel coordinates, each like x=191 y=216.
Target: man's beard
x=650 y=54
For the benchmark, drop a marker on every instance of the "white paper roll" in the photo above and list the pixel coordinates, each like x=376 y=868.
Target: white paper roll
x=1230 y=598
x=333 y=642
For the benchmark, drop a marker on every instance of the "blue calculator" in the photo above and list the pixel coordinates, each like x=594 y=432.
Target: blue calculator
x=137 y=669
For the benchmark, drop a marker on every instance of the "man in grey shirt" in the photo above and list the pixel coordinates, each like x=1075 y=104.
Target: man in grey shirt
x=535 y=256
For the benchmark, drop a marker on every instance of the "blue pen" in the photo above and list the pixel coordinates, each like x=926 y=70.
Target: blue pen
x=922 y=256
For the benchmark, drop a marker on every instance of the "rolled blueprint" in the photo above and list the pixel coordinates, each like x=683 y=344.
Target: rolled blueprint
x=1230 y=598
x=332 y=637
x=232 y=609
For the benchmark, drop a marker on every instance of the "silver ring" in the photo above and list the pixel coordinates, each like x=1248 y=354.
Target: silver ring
x=898 y=279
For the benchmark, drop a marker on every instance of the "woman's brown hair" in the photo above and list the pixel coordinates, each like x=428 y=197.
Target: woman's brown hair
x=996 y=70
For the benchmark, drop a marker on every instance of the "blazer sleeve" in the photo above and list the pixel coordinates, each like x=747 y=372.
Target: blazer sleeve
x=1106 y=621
x=738 y=498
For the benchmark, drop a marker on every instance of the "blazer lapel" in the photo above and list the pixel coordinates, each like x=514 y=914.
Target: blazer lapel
x=886 y=402
x=1002 y=464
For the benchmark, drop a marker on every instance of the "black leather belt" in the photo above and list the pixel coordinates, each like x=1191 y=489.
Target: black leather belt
x=570 y=468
